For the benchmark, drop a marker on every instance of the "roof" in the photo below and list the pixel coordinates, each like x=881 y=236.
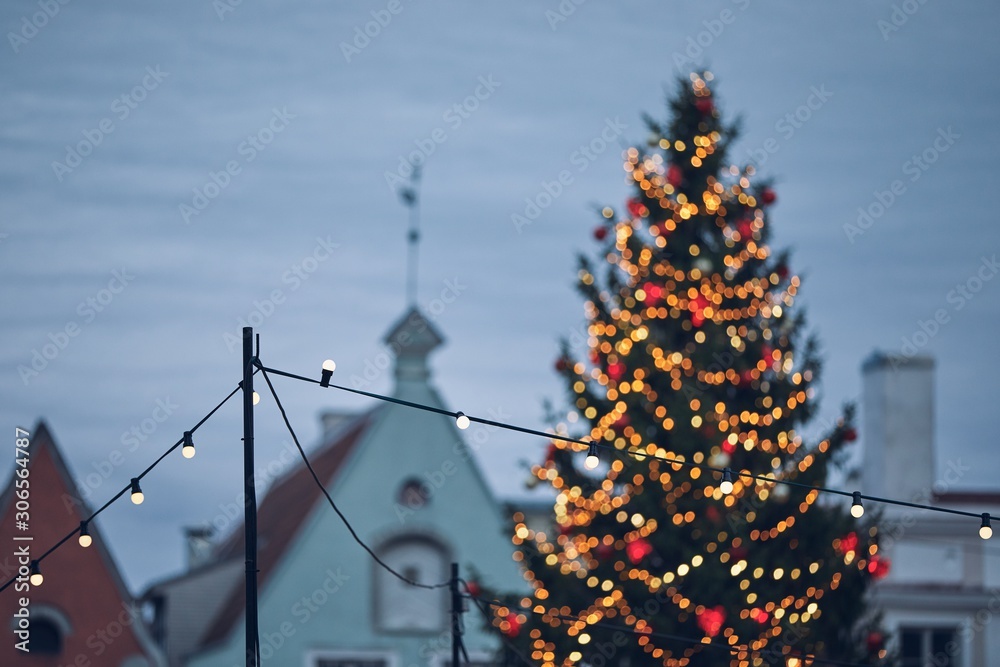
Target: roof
x=42 y=450
x=41 y=439
x=281 y=515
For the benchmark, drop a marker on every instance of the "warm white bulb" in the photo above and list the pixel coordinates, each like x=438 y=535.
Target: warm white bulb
x=726 y=487
x=86 y=540
x=593 y=460
x=986 y=532
x=462 y=421
x=329 y=365
x=137 y=497
x=256 y=398
x=36 y=579
x=857 y=511
x=188 y=452
x=637 y=520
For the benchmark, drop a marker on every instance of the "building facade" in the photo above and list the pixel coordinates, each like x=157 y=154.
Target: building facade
x=82 y=614
x=943 y=590
x=411 y=488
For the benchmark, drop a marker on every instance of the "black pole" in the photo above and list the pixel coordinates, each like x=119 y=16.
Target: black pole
x=456 y=611
x=250 y=501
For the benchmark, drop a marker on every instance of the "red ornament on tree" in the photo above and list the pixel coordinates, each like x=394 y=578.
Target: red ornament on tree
x=728 y=447
x=600 y=233
x=473 y=588
x=745 y=229
x=759 y=615
x=674 y=175
x=604 y=551
x=768 y=197
x=782 y=271
x=697 y=307
x=875 y=642
x=850 y=435
x=550 y=452
x=636 y=208
x=513 y=626
x=638 y=549
x=747 y=377
x=616 y=371
x=710 y=620
x=562 y=364
x=878 y=567
x=849 y=543
x=704 y=105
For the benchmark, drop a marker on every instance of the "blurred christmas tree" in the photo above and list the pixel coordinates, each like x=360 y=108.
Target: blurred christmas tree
x=694 y=356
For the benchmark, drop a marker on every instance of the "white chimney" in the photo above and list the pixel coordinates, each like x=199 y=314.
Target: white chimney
x=199 y=545
x=898 y=426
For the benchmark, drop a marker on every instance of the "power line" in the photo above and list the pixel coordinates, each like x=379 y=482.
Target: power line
x=639 y=454
x=329 y=499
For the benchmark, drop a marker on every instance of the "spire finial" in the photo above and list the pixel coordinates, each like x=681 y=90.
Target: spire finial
x=410 y=199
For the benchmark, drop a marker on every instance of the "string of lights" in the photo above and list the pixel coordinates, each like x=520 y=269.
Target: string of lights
x=727 y=475
x=322 y=487
x=85 y=539
x=700 y=642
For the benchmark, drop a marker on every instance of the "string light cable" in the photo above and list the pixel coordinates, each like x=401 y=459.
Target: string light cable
x=684 y=639
x=322 y=487
x=725 y=474
x=83 y=529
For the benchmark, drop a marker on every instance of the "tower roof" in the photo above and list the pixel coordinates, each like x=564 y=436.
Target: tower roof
x=412 y=338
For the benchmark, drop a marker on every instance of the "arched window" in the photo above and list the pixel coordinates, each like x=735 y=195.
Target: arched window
x=46 y=639
x=49 y=627
x=400 y=607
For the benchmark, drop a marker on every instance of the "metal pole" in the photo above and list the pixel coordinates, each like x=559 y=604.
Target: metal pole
x=250 y=501
x=456 y=610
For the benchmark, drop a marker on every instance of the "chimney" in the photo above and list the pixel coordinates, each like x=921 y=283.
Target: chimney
x=898 y=426
x=199 y=545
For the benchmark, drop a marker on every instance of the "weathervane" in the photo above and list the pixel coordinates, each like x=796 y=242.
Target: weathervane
x=409 y=196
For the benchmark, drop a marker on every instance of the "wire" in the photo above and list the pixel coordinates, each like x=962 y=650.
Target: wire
x=118 y=495
x=678 y=638
x=326 y=493
x=636 y=453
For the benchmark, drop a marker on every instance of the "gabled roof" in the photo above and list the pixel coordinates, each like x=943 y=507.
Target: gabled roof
x=42 y=440
x=73 y=574
x=281 y=515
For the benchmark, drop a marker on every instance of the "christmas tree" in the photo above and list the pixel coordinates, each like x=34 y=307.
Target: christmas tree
x=698 y=374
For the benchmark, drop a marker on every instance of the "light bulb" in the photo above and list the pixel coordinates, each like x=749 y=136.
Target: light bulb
x=593 y=460
x=985 y=530
x=462 y=421
x=85 y=539
x=256 y=398
x=137 y=496
x=637 y=520
x=36 y=578
x=857 y=509
x=727 y=481
x=329 y=366
x=188 y=449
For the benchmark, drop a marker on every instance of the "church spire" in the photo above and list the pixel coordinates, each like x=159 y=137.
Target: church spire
x=411 y=200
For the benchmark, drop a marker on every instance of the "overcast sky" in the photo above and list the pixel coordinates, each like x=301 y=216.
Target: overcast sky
x=170 y=168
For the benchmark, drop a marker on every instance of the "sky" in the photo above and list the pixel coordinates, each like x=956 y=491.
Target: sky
x=173 y=171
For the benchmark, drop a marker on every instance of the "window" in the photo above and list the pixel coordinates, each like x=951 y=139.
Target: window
x=400 y=607
x=923 y=647
x=413 y=494
x=48 y=629
x=46 y=639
